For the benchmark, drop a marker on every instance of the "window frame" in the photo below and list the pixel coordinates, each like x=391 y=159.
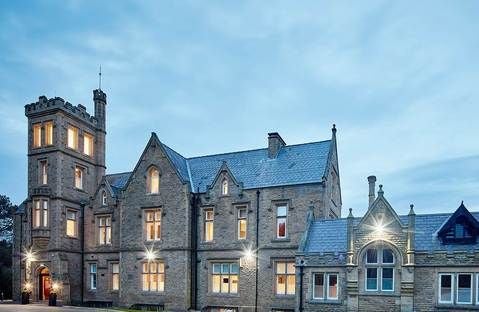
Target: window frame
x=74 y=137
x=477 y=288
x=37 y=135
x=337 y=287
x=146 y=222
x=43 y=172
x=208 y=222
x=471 y=289
x=286 y=275
x=75 y=221
x=440 y=288
x=104 y=201
x=43 y=213
x=81 y=181
x=93 y=275
x=224 y=187
x=48 y=126
x=113 y=275
x=88 y=137
x=107 y=227
x=160 y=275
x=149 y=180
x=222 y=275
x=379 y=266
x=285 y=218
x=314 y=285
x=240 y=220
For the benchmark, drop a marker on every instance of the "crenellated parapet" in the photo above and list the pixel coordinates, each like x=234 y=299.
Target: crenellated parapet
x=46 y=105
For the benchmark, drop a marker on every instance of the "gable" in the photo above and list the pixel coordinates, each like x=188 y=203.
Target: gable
x=460 y=228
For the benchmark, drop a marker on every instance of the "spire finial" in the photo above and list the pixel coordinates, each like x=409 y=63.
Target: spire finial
x=99 y=79
x=350 y=213
x=380 y=192
x=411 y=210
x=334 y=129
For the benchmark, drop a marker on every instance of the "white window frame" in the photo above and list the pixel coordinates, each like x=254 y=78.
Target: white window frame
x=40 y=213
x=79 y=185
x=314 y=285
x=286 y=274
x=93 y=276
x=440 y=289
x=43 y=171
x=75 y=223
x=228 y=274
x=278 y=218
x=382 y=270
x=115 y=274
x=157 y=220
x=366 y=279
x=149 y=274
x=379 y=266
x=224 y=187
x=337 y=286
x=477 y=288
x=206 y=221
x=457 y=288
x=103 y=198
x=106 y=226
x=241 y=219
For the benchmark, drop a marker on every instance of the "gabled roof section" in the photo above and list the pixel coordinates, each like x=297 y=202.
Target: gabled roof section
x=466 y=219
x=117 y=182
x=294 y=164
x=224 y=167
x=381 y=202
x=178 y=161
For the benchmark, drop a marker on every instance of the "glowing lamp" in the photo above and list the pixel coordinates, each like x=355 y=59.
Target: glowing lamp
x=28 y=286
x=150 y=254
x=29 y=256
x=55 y=287
x=248 y=254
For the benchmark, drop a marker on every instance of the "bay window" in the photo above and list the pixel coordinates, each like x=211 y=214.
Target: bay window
x=153 y=276
x=225 y=278
x=285 y=278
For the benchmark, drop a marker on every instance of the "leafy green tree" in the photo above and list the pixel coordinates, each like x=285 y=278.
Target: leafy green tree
x=6 y=218
x=6 y=234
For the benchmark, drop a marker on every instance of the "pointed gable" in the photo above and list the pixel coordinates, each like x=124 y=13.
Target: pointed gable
x=460 y=228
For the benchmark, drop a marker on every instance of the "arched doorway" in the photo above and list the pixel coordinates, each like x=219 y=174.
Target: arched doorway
x=44 y=284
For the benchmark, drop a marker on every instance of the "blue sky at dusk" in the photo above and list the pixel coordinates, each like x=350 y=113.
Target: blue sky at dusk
x=398 y=78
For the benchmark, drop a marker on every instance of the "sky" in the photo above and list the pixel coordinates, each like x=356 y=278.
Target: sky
x=398 y=78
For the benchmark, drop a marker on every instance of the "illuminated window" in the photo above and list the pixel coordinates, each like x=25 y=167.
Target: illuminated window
x=79 y=177
x=285 y=278
x=379 y=269
x=87 y=144
x=153 y=181
x=224 y=278
x=153 y=224
x=40 y=213
x=103 y=198
x=104 y=230
x=72 y=137
x=209 y=224
x=464 y=289
x=242 y=222
x=37 y=135
x=43 y=172
x=281 y=216
x=71 y=223
x=49 y=133
x=93 y=276
x=115 y=276
x=153 y=276
x=445 y=288
x=224 y=187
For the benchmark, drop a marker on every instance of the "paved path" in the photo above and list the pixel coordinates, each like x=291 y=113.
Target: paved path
x=44 y=308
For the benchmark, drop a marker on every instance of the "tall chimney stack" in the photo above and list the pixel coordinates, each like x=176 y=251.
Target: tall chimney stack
x=275 y=142
x=372 y=189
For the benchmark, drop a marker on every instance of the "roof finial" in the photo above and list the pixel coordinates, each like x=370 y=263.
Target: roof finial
x=99 y=79
x=334 y=129
x=350 y=213
x=411 y=210
x=380 y=192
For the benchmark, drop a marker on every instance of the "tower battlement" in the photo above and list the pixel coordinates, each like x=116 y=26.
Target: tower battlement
x=46 y=105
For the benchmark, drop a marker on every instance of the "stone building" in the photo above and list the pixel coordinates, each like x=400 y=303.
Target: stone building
x=214 y=233
x=387 y=262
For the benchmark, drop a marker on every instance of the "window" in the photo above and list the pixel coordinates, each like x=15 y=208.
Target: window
x=72 y=137
x=321 y=292
x=37 y=135
x=477 y=289
x=281 y=213
x=464 y=289
x=103 y=198
x=242 y=222
x=445 y=288
x=49 y=133
x=71 y=223
x=153 y=276
x=104 y=230
x=79 y=177
x=153 y=181
x=208 y=224
x=318 y=286
x=224 y=278
x=40 y=213
x=332 y=286
x=43 y=170
x=115 y=276
x=379 y=269
x=153 y=224
x=224 y=187
x=285 y=278
x=87 y=144
x=93 y=276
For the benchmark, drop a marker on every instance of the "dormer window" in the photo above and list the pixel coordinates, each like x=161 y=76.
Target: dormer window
x=460 y=228
x=224 y=187
x=103 y=198
x=153 y=181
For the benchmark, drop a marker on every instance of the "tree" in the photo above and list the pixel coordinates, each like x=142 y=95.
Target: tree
x=6 y=218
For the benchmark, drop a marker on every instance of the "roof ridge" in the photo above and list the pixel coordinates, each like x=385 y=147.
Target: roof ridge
x=112 y=174
x=255 y=149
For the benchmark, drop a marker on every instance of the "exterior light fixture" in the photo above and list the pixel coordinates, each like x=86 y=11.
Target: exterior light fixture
x=28 y=286
x=55 y=287
x=248 y=254
x=150 y=254
x=29 y=256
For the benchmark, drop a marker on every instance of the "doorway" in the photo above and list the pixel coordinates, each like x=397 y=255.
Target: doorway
x=44 y=284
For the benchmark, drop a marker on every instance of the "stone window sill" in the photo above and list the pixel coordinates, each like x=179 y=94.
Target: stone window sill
x=324 y=301
x=281 y=240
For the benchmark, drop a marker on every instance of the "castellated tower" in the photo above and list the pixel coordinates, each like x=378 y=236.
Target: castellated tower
x=66 y=160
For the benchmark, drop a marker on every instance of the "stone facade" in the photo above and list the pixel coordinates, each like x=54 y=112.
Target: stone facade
x=83 y=265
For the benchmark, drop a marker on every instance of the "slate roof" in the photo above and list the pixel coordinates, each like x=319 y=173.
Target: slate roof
x=117 y=181
x=331 y=235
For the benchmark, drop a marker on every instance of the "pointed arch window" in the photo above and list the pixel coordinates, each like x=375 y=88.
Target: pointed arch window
x=153 y=181
x=379 y=269
x=224 y=187
x=103 y=198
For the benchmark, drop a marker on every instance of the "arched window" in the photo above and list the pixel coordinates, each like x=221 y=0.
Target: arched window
x=379 y=269
x=153 y=181
x=224 y=187
x=103 y=198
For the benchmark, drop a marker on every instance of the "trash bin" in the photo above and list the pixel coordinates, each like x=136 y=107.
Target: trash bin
x=52 y=299
x=25 y=297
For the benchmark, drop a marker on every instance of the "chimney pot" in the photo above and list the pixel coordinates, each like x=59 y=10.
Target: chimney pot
x=372 y=189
